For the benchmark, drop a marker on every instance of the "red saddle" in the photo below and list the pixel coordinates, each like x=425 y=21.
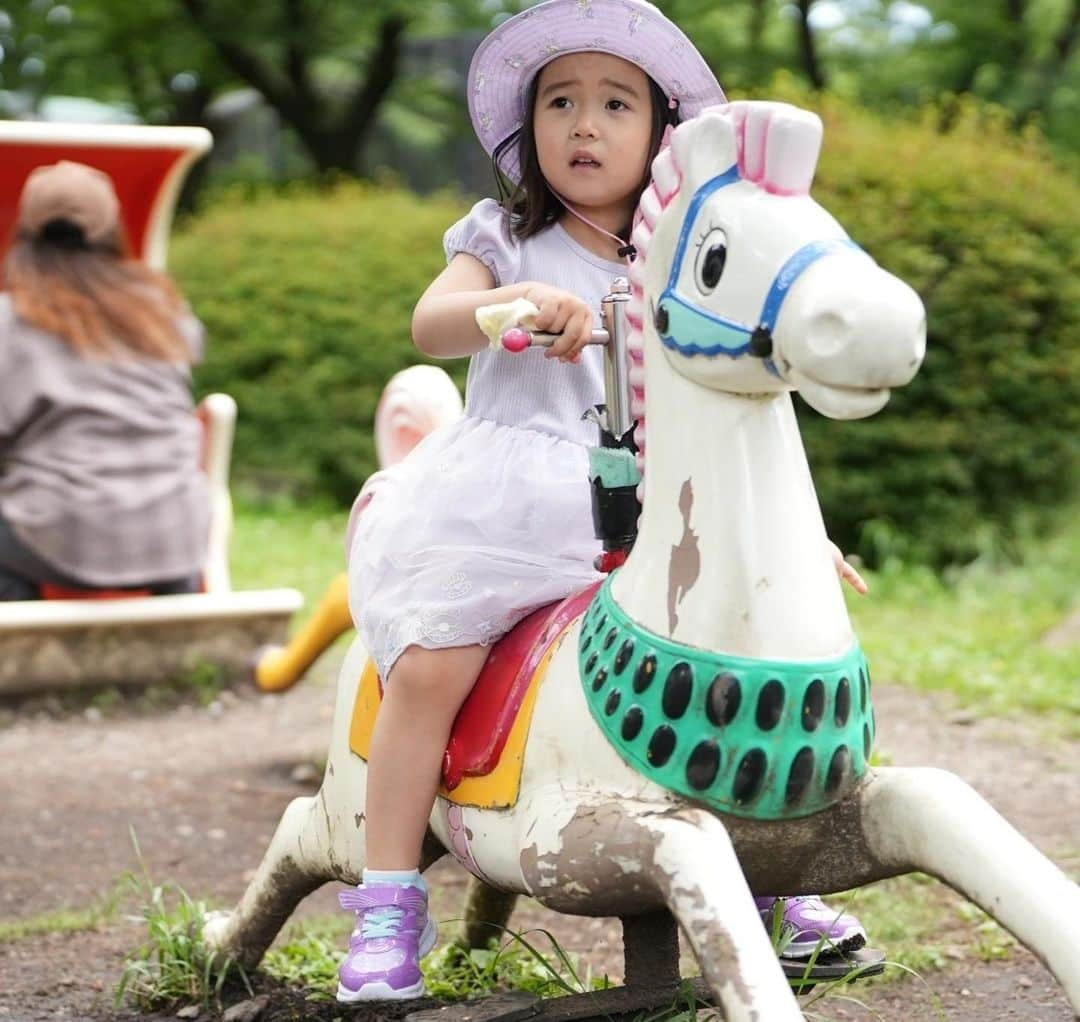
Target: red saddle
x=484 y=721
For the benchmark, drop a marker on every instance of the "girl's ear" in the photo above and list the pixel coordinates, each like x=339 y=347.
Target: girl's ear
x=706 y=145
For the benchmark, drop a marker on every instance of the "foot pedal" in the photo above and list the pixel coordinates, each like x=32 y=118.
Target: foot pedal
x=830 y=966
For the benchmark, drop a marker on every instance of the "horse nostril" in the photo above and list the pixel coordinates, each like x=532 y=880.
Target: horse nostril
x=828 y=335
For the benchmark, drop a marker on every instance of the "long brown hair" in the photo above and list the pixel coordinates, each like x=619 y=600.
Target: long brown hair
x=532 y=204
x=97 y=298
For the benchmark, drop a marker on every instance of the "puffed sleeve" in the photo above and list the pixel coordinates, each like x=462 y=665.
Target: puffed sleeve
x=484 y=233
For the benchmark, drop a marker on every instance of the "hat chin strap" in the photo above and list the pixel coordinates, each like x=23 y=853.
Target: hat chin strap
x=626 y=250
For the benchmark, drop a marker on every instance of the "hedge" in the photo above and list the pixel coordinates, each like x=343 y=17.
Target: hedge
x=308 y=294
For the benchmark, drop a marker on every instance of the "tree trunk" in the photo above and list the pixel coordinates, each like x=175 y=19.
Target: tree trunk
x=334 y=134
x=808 y=47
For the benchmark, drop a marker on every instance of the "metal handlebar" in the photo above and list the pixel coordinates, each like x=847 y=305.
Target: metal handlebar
x=616 y=359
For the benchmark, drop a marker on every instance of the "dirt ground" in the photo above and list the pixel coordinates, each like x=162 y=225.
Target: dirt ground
x=203 y=787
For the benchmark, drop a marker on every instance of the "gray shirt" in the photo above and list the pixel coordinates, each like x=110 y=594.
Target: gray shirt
x=99 y=458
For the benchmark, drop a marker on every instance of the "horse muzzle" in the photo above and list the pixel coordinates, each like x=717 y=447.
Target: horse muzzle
x=848 y=334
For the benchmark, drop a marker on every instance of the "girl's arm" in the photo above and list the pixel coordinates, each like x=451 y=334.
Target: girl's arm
x=444 y=320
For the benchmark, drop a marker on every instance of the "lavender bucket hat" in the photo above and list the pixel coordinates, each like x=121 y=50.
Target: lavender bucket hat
x=508 y=58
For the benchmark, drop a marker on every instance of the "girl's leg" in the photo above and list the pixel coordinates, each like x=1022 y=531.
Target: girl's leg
x=423 y=694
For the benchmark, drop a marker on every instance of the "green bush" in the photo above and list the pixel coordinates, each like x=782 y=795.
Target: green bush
x=984 y=227
x=308 y=296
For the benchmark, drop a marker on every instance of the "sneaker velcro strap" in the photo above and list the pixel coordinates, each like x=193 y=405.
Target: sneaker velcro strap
x=360 y=899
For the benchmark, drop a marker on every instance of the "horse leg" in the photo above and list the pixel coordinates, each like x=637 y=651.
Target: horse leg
x=930 y=820
x=298 y=860
x=626 y=858
x=487 y=911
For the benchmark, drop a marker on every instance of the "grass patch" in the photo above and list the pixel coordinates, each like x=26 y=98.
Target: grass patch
x=975 y=633
x=533 y=962
x=173 y=966
x=65 y=920
x=282 y=543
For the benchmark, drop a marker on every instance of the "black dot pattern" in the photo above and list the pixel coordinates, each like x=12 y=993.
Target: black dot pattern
x=645 y=673
x=800 y=776
x=678 y=689
x=761 y=740
x=839 y=767
x=813 y=707
x=749 y=777
x=632 y=723
x=843 y=702
x=723 y=699
x=703 y=764
x=661 y=745
x=770 y=705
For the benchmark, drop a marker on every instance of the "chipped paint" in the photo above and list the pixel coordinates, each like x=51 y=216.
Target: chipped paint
x=684 y=566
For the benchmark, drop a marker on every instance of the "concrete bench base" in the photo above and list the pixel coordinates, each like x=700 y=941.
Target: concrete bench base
x=143 y=641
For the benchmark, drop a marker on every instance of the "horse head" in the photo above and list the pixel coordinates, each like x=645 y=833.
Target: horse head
x=748 y=285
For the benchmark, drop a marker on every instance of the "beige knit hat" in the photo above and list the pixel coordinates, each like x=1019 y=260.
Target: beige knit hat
x=73 y=192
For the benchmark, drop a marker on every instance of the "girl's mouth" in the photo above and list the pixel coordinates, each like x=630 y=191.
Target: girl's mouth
x=584 y=160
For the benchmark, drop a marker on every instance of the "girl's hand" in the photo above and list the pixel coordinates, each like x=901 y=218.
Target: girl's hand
x=565 y=314
x=846 y=572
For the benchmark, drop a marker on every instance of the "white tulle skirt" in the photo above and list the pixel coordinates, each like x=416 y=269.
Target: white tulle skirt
x=481 y=524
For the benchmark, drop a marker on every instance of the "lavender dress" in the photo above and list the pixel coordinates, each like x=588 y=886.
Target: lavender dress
x=489 y=517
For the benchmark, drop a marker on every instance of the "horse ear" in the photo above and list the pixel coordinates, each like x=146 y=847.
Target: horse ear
x=780 y=144
x=791 y=151
x=705 y=145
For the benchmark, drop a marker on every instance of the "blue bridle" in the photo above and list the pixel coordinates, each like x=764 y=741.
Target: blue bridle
x=676 y=317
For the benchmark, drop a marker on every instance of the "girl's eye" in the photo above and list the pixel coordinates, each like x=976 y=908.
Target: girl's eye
x=711 y=258
x=560 y=102
x=617 y=104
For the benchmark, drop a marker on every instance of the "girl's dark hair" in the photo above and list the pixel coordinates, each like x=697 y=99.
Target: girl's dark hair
x=532 y=205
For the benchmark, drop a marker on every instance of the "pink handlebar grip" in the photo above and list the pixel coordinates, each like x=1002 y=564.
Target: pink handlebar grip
x=516 y=339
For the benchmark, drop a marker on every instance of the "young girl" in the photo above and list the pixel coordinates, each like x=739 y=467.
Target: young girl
x=490 y=517
x=100 y=484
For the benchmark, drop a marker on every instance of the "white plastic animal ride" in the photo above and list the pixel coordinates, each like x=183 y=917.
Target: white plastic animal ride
x=703 y=729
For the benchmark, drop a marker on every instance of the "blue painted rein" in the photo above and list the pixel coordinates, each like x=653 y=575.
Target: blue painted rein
x=676 y=317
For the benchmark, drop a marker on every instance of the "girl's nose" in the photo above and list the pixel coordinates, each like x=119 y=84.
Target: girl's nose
x=584 y=128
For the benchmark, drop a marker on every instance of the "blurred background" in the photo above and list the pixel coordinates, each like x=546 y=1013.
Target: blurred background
x=343 y=151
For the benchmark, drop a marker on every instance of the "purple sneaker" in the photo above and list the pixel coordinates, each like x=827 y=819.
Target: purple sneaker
x=393 y=932
x=807 y=924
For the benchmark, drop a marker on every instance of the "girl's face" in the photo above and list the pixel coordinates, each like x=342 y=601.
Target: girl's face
x=593 y=123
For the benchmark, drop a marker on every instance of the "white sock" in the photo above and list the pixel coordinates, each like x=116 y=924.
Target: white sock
x=401 y=877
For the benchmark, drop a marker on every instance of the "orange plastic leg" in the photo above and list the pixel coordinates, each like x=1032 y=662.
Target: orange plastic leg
x=280 y=668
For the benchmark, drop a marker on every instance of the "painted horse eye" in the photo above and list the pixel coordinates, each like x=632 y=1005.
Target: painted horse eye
x=711 y=257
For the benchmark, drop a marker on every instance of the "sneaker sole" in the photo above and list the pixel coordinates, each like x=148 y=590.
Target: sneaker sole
x=383 y=991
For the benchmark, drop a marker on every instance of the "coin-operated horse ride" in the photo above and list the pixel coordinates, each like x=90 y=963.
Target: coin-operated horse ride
x=109 y=637
x=698 y=727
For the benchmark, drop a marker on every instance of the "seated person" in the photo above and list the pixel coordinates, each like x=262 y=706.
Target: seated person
x=100 y=478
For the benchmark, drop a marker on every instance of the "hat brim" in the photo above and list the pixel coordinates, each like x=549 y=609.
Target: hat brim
x=509 y=57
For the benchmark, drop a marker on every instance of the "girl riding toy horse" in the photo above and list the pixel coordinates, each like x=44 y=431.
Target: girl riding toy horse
x=700 y=727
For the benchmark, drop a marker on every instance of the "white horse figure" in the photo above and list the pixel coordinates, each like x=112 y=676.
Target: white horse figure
x=702 y=730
